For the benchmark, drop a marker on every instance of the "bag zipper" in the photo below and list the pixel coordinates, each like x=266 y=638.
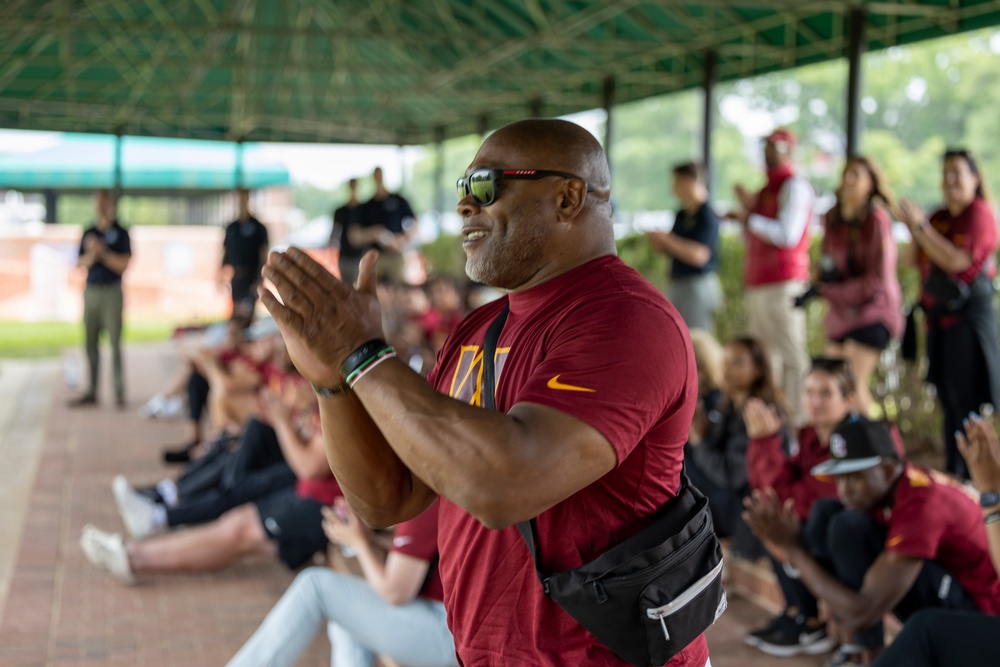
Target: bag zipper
x=693 y=591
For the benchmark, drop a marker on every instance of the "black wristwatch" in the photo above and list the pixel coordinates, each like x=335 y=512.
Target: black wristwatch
x=989 y=499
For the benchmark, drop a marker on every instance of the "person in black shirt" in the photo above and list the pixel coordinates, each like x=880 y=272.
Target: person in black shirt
x=347 y=227
x=105 y=250
x=387 y=225
x=693 y=244
x=244 y=254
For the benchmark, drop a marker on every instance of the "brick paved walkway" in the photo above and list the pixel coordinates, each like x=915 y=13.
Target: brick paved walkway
x=55 y=476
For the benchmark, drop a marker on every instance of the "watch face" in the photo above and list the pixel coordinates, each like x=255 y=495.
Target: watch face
x=989 y=499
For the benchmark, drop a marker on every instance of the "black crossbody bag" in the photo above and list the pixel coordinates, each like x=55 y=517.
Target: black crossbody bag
x=649 y=597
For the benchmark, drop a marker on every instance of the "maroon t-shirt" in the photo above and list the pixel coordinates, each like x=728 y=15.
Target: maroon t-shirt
x=601 y=344
x=418 y=538
x=934 y=518
x=974 y=230
x=324 y=490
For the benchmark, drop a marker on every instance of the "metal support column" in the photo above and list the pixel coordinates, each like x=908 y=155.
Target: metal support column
x=51 y=207
x=855 y=48
x=116 y=185
x=536 y=107
x=708 y=115
x=439 y=185
x=609 y=103
x=238 y=174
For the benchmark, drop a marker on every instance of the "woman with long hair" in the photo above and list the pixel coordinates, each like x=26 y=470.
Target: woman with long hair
x=716 y=455
x=857 y=273
x=955 y=253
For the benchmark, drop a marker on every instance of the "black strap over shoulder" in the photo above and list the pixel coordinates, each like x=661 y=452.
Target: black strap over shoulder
x=489 y=352
x=527 y=528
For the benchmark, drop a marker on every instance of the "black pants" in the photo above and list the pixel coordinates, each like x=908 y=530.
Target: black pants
x=963 y=385
x=726 y=506
x=197 y=395
x=244 y=290
x=850 y=541
x=795 y=592
x=945 y=638
x=204 y=473
x=256 y=469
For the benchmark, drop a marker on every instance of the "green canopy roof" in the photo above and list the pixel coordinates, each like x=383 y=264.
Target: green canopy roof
x=402 y=71
x=86 y=162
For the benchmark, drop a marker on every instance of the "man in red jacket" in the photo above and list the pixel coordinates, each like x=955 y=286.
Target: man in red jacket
x=776 y=264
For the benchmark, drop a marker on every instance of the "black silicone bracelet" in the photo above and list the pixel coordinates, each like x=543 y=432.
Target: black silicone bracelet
x=331 y=392
x=361 y=355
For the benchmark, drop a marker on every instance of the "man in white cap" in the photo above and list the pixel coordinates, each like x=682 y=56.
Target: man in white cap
x=901 y=538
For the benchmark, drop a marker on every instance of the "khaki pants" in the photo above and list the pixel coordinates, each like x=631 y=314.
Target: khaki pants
x=775 y=322
x=102 y=310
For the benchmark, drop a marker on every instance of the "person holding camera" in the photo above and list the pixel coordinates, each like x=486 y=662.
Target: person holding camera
x=954 y=252
x=857 y=274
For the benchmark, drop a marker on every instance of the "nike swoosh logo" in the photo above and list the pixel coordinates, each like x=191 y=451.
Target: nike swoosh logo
x=554 y=383
x=893 y=541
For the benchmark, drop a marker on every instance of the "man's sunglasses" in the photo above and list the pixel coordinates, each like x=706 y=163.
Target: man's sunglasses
x=482 y=183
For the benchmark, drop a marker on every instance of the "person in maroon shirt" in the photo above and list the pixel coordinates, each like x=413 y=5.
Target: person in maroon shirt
x=901 y=538
x=595 y=394
x=946 y=638
x=857 y=274
x=957 y=248
x=774 y=463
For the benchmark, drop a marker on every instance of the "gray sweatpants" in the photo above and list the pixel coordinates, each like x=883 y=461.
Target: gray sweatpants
x=697 y=299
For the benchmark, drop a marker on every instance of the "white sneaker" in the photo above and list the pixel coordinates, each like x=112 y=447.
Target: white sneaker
x=173 y=408
x=153 y=406
x=107 y=551
x=141 y=515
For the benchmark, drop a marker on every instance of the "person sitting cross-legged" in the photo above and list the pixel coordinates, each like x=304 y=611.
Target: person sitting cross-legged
x=901 y=538
x=828 y=396
x=946 y=638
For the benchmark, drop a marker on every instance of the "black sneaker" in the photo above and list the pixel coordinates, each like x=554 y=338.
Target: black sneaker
x=180 y=455
x=753 y=638
x=796 y=638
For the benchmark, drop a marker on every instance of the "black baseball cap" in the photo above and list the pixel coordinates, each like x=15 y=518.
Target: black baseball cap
x=857 y=444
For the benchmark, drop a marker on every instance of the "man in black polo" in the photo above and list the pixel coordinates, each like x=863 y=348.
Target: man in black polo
x=105 y=251
x=244 y=254
x=345 y=234
x=388 y=225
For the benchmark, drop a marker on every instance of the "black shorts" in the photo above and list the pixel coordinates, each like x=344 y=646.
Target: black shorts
x=294 y=523
x=873 y=335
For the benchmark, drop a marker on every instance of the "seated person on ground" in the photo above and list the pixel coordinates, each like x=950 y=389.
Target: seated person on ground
x=946 y=638
x=717 y=446
x=224 y=478
x=224 y=384
x=395 y=611
x=221 y=337
x=286 y=523
x=901 y=538
x=708 y=359
x=828 y=396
